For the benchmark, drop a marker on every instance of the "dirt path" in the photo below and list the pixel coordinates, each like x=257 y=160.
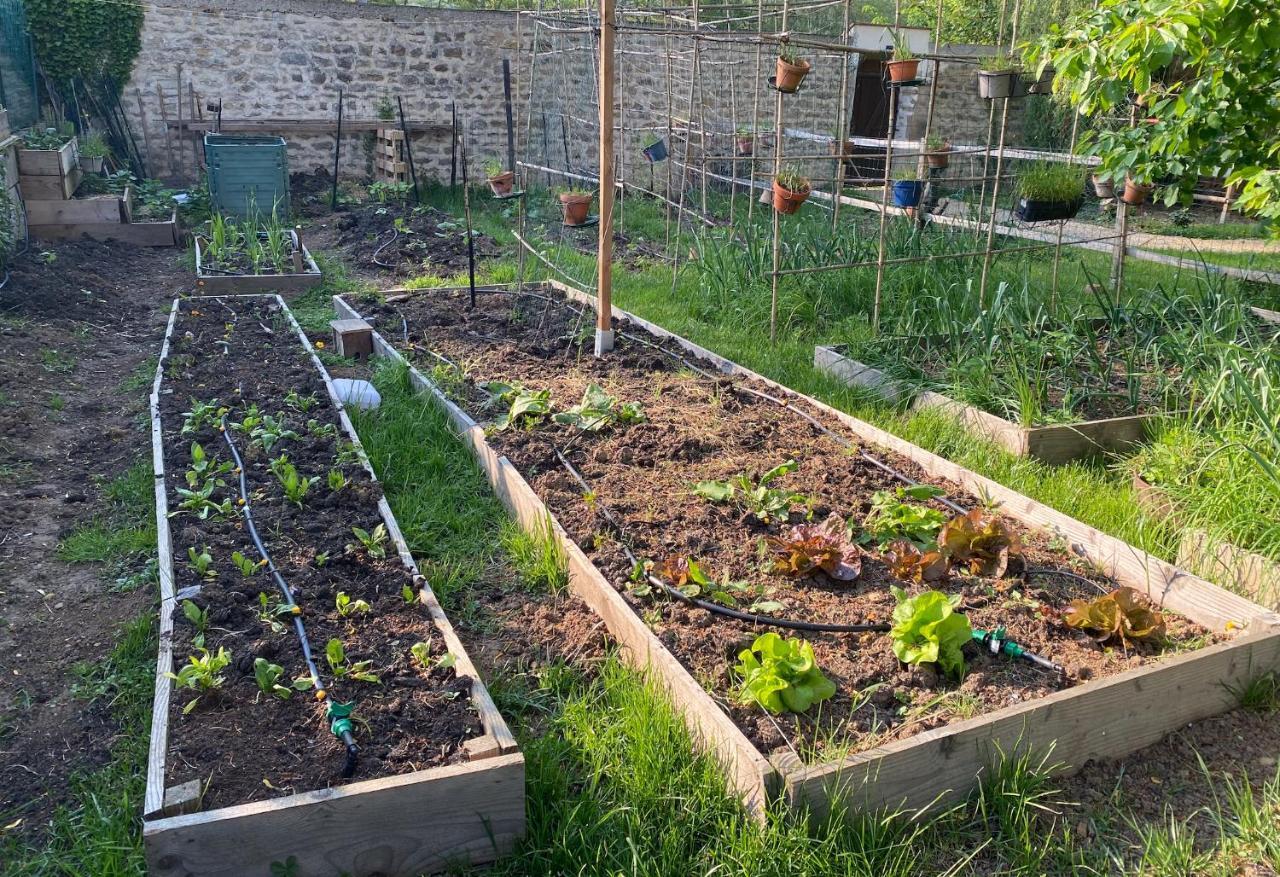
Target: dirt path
x=77 y=322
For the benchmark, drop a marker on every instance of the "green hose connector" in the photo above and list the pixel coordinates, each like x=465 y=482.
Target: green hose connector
x=339 y=717
x=997 y=642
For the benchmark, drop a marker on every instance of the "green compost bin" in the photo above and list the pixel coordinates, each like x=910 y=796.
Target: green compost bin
x=247 y=172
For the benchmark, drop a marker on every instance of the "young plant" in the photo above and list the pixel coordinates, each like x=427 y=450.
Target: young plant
x=202 y=414
x=201 y=562
x=271 y=610
x=374 y=544
x=781 y=675
x=200 y=502
x=685 y=575
x=1051 y=181
x=202 y=674
x=524 y=408
x=198 y=617
x=598 y=411
x=807 y=548
x=927 y=630
x=792 y=180
x=271 y=431
x=294 y=485
x=337 y=481
x=248 y=568
x=347 y=607
x=755 y=496
x=981 y=542
x=1119 y=616
x=901 y=46
x=301 y=403
x=268 y=677
x=492 y=168
x=892 y=517
x=408 y=595
x=336 y=654
x=203 y=468
x=421 y=653
x=316 y=429
x=908 y=562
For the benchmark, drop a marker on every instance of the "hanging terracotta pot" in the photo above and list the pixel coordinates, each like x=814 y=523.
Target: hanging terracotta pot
x=501 y=183
x=903 y=71
x=789 y=76
x=576 y=206
x=787 y=201
x=746 y=144
x=940 y=157
x=1135 y=193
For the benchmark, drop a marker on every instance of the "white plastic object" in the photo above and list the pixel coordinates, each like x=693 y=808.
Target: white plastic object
x=361 y=394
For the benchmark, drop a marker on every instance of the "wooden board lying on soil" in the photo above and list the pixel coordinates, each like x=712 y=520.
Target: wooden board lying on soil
x=1103 y=718
x=241 y=284
x=1056 y=444
x=395 y=826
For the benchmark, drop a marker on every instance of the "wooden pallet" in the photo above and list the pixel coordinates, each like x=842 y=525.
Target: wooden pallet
x=390 y=164
x=1103 y=718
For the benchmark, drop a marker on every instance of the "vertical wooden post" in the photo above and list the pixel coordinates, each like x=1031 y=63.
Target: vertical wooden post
x=511 y=128
x=604 y=258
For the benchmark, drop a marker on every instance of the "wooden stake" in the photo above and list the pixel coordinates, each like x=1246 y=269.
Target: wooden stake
x=168 y=135
x=604 y=258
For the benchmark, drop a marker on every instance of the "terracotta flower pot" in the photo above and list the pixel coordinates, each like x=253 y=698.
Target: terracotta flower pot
x=576 y=208
x=746 y=144
x=501 y=183
x=1135 y=193
x=841 y=148
x=939 y=158
x=786 y=201
x=903 y=71
x=1103 y=187
x=789 y=76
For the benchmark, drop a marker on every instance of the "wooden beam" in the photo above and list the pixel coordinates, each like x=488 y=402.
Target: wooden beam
x=298 y=126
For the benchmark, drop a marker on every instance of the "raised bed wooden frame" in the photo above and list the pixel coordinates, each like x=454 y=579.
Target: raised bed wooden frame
x=164 y=233
x=1104 y=718
x=247 y=284
x=397 y=826
x=1055 y=444
x=49 y=174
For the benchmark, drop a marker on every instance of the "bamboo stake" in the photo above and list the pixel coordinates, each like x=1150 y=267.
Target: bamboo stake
x=995 y=186
x=777 y=223
x=604 y=259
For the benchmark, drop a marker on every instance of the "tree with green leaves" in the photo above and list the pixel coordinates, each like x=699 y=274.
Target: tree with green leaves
x=1199 y=78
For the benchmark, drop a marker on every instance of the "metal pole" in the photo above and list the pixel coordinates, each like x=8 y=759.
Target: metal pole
x=408 y=151
x=511 y=131
x=337 y=153
x=466 y=209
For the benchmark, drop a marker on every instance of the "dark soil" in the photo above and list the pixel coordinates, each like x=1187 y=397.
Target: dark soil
x=700 y=429
x=427 y=241
x=254 y=746
x=76 y=320
x=311 y=193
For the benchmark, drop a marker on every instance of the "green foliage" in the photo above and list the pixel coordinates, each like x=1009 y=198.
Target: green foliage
x=1051 y=181
x=524 y=407
x=86 y=39
x=246 y=566
x=892 y=517
x=781 y=675
x=1121 y=616
x=267 y=675
x=791 y=179
x=202 y=674
x=374 y=544
x=336 y=654
x=198 y=617
x=94 y=146
x=295 y=486
x=201 y=562
x=807 y=548
x=347 y=607
x=421 y=652
x=754 y=495
x=598 y=411
x=928 y=630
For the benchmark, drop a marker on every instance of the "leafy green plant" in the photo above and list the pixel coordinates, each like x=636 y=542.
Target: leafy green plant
x=1051 y=181
x=347 y=607
x=927 y=630
x=200 y=502
x=493 y=168
x=901 y=46
x=1121 y=616
x=892 y=517
x=791 y=179
x=999 y=63
x=198 y=617
x=294 y=485
x=202 y=674
x=374 y=544
x=270 y=431
x=408 y=595
x=907 y=561
x=789 y=55
x=421 y=653
x=202 y=562
x=524 y=408
x=203 y=467
x=94 y=146
x=336 y=654
x=271 y=610
x=316 y=429
x=685 y=575
x=980 y=541
x=268 y=675
x=337 y=481
x=598 y=411
x=202 y=414
x=781 y=675
x=248 y=567
x=754 y=495
x=807 y=548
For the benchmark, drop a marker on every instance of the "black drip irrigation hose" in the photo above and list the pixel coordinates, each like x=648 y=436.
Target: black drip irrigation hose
x=341 y=724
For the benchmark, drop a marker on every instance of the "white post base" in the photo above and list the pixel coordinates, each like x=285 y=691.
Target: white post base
x=604 y=341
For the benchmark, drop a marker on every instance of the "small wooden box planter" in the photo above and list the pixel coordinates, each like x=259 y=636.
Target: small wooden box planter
x=1105 y=718
x=1056 y=444
x=211 y=283
x=49 y=174
x=396 y=826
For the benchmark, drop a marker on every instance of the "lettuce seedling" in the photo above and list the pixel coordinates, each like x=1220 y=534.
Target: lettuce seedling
x=806 y=548
x=202 y=674
x=421 y=652
x=271 y=610
x=781 y=675
x=295 y=487
x=248 y=568
x=336 y=654
x=375 y=543
x=267 y=675
x=200 y=501
x=981 y=542
x=271 y=431
x=755 y=496
x=598 y=411
x=685 y=575
x=1120 y=615
x=524 y=408
x=201 y=414
x=892 y=518
x=204 y=468
x=908 y=562
x=202 y=562
x=927 y=630
x=347 y=607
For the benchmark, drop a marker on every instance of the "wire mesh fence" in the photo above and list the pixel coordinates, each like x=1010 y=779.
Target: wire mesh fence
x=17 y=66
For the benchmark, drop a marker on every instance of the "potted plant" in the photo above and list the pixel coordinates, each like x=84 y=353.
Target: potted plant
x=576 y=203
x=500 y=179
x=905 y=65
x=1104 y=186
x=998 y=77
x=937 y=151
x=746 y=141
x=93 y=153
x=791 y=71
x=907 y=187
x=1049 y=190
x=841 y=146
x=790 y=189
x=1043 y=83
x=1135 y=191
x=655 y=150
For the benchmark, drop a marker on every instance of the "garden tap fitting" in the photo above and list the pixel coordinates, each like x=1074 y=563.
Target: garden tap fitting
x=997 y=642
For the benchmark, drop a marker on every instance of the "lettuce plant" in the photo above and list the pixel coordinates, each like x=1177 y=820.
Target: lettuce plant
x=754 y=495
x=1120 y=615
x=981 y=542
x=908 y=562
x=892 y=517
x=927 y=630
x=807 y=548
x=524 y=407
x=599 y=411
x=781 y=675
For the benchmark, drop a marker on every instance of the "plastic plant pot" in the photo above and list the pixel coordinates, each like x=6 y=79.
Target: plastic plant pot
x=576 y=207
x=1035 y=210
x=787 y=201
x=501 y=183
x=91 y=164
x=907 y=193
x=997 y=84
x=1104 y=187
x=939 y=158
x=788 y=76
x=903 y=71
x=1135 y=193
x=656 y=151
x=1043 y=85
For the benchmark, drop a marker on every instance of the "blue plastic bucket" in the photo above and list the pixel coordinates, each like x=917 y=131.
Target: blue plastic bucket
x=906 y=193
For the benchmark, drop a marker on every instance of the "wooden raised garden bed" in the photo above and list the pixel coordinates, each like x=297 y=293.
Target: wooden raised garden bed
x=49 y=174
x=305 y=274
x=878 y=742
x=1056 y=443
x=100 y=217
x=243 y=779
